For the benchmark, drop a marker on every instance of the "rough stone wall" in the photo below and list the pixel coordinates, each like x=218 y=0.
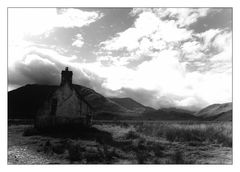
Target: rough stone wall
x=68 y=102
x=69 y=108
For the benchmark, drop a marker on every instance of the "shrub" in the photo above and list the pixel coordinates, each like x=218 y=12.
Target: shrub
x=58 y=148
x=158 y=150
x=30 y=131
x=141 y=157
x=75 y=152
x=177 y=158
x=106 y=153
x=47 y=148
x=92 y=157
x=217 y=133
x=131 y=135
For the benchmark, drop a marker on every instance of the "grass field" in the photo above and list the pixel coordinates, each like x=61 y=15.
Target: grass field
x=125 y=142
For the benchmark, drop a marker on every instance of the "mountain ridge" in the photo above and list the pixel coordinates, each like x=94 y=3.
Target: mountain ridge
x=24 y=102
x=216 y=112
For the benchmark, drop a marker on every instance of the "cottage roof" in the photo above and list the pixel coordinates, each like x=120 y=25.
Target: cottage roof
x=82 y=92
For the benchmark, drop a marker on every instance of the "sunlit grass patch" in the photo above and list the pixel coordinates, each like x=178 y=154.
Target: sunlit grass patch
x=217 y=133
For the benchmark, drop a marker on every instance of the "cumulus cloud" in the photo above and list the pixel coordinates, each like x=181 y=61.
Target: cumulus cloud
x=159 y=61
x=184 y=66
x=25 y=22
x=147 y=25
x=78 y=41
x=43 y=66
x=183 y=16
x=37 y=21
x=34 y=69
x=27 y=61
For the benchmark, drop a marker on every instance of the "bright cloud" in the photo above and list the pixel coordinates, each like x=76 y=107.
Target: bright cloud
x=186 y=16
x=147 y=25
x=78 y=41
x=40 y=22
x=159 y=61
x=37 y=21
x=171 y=46
x=183 y=16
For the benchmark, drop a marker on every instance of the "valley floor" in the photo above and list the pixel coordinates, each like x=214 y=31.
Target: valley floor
x=129 y=144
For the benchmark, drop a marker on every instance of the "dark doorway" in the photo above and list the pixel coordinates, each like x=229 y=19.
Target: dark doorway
x=54 y=107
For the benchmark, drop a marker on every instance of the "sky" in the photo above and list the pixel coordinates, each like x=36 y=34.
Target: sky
x=160 y=57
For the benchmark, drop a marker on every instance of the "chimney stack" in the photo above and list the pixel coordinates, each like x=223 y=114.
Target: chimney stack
x=66 y=77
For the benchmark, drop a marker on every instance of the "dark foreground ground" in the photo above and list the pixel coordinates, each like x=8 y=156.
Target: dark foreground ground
x=124 y=143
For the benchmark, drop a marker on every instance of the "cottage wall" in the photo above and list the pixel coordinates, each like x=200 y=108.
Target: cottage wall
x=63 y=107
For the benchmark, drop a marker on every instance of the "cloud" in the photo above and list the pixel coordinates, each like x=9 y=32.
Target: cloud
x=30 y=58
x=40 y=22
x=212 y=86
x=219 y=44
x=223 y=40
x=182 y=16
x=78 y=41
x=192 y=51
x=159 y=61
x=160 y=82
x=166 y=82
x=43 y=66
x=148 y=35
x=147 y=25
x=34 y=69
x=183 y=66
x=70 y=17
x=186 y=16
x=37 y=21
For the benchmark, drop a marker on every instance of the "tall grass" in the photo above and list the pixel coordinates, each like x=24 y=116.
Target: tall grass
x=216 y=133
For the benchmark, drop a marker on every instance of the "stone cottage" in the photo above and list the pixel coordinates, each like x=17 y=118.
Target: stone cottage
x=65 y=107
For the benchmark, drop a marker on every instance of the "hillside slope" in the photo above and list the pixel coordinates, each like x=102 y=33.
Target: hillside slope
x=25 y=101
x=132 y=105
x=216 y=112
x=170 y=114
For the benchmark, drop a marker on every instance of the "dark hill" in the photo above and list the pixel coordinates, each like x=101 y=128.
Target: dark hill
x=24 y=102
x=132 y=105
x=220 y=112
x=225 y=116
x=170 y=114
x=99 y=102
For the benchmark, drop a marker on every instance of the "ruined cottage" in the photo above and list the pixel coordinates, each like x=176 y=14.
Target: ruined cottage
x=66 y=106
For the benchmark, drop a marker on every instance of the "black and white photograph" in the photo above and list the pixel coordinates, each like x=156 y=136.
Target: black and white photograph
x=119 y=85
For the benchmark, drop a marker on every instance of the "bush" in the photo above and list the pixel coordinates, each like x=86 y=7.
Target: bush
x=158 y=150
x=208 y=134
x=214 y=132
x=177 y=158
x=75 y=152
x=106 y=153
x=47 y=148
x=58 y=148
x=141 y=157
x=131 y=135
x=30 y=131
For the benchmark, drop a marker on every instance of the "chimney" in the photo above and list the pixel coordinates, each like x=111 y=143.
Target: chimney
x=66 y=77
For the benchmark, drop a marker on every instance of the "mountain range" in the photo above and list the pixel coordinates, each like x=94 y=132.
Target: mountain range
x=218 y=112
x=25 y=101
